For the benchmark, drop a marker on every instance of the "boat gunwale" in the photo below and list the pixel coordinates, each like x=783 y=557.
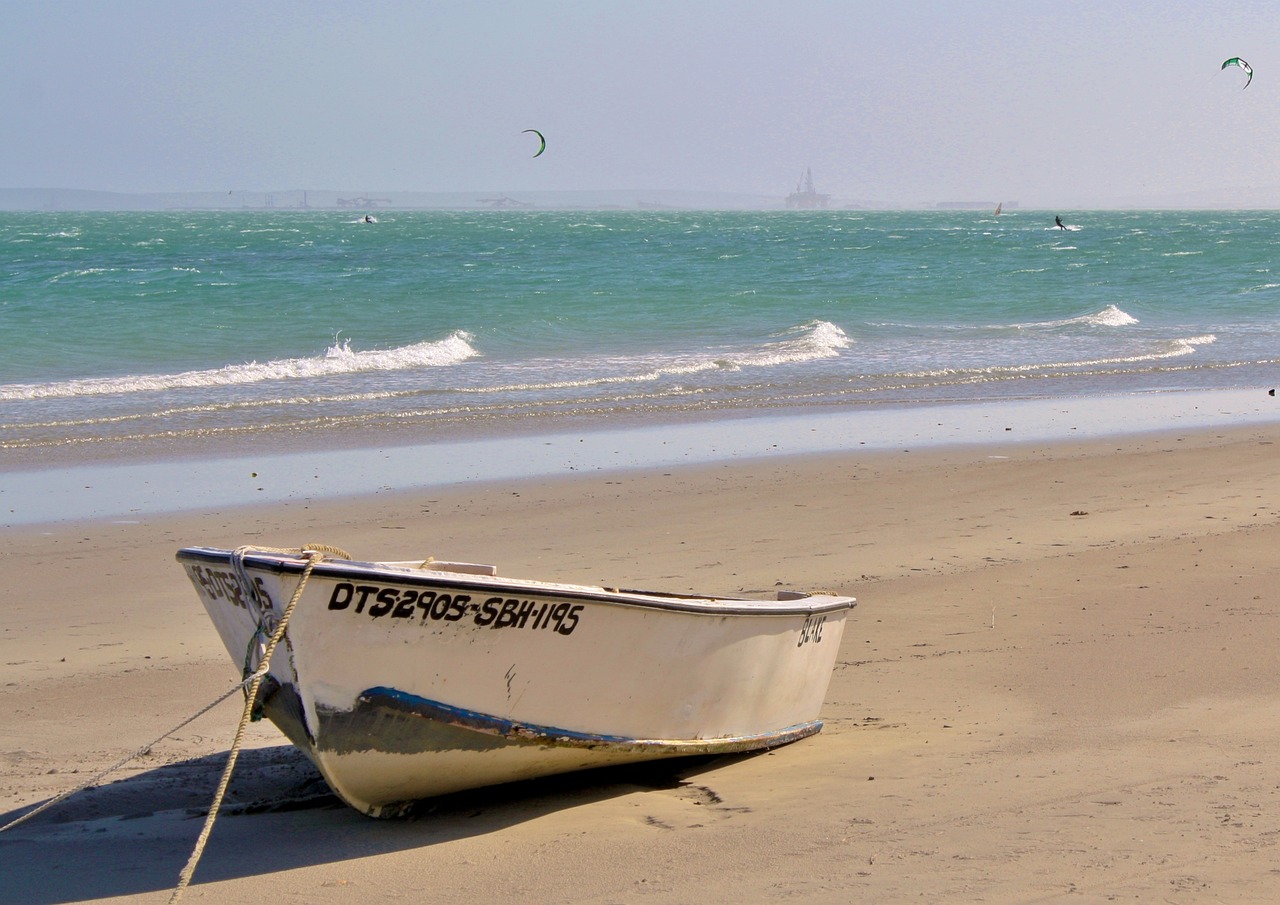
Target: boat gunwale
x=292 y=563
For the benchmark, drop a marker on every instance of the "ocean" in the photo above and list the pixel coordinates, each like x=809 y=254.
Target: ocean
x=292 y=328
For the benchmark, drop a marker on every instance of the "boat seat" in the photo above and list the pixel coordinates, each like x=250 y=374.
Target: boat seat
x=467 y=568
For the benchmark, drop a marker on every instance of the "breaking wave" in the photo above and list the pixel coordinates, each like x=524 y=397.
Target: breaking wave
x=1110 y=316
x=338 y=359
x=807 y=342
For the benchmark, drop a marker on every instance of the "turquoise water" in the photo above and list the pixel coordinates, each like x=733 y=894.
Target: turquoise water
x=152 y=327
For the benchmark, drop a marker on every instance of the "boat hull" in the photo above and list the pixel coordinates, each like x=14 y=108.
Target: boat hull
x=402 y=682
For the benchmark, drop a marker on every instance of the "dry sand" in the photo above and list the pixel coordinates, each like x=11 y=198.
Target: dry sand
x=1059 y=685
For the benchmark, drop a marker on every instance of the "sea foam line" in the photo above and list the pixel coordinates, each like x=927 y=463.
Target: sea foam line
x=808 y=342
x=1110 y=316
x=1174 y=348
x=338 y=359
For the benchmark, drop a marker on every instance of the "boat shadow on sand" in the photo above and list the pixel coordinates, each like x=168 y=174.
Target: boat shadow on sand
x=134 y=835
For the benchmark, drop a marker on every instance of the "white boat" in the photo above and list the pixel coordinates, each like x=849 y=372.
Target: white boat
x=405 y=680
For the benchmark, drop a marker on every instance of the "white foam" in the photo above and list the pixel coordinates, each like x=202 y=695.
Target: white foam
x=1110 y=316
x=338 y=359
x=1174 y=348
x=806 y=342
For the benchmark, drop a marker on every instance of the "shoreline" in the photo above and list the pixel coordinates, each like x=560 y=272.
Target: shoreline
x=1058 y=681
x=81 y=490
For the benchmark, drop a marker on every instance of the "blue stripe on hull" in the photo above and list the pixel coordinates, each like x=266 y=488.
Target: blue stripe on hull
x=387 y=719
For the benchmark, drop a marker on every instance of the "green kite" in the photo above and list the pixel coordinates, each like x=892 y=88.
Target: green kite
x=1236 y=61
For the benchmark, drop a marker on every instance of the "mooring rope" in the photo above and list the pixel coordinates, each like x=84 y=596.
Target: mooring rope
x=102 y=774
x=313 y=553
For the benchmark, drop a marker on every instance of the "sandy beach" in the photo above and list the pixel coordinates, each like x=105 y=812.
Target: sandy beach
x=1058 y=685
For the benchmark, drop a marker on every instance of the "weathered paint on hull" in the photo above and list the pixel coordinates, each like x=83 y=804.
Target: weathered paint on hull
x=454 y=695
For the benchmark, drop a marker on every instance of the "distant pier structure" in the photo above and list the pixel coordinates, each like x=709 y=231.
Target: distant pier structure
x=362 y=202
x=505 y=203
x=804 y=198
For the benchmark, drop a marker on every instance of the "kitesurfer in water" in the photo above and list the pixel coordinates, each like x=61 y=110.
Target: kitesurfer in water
x=368 y=219
x=1058 y=221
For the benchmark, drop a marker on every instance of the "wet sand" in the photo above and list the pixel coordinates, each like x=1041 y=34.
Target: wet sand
x=1059 y=684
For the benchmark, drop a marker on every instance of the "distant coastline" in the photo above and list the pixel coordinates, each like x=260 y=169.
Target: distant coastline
x=57 y=199
x=361 y=202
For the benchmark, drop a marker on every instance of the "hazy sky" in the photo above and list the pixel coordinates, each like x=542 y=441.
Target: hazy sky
x=1044 y=102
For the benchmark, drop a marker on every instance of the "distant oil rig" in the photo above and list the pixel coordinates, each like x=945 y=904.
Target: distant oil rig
x=804 y=198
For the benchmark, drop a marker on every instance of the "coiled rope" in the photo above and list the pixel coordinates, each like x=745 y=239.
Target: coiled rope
x=313 y=554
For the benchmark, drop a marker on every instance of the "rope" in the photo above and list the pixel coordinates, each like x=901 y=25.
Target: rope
x=261 y=609
x=98 y=777
x=313 y=554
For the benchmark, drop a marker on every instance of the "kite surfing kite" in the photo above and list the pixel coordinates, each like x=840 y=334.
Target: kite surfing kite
x=542 y=146
x=1236 y=61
